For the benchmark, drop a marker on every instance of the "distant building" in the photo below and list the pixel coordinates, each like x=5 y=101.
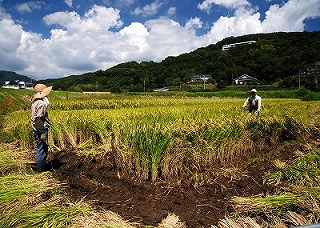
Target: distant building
x=228 y=46
x=161 y=90
x=245 y=79
x=202 y=77
x=16 y=84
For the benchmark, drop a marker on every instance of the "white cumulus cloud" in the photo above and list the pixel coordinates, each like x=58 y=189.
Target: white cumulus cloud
x=98 y=38
x=68 y=2
x=28 y=7
x=207 y=4
x=148 y=10
x=290 y=16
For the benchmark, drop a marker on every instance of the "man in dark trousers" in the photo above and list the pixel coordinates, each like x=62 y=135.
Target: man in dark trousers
x=40 y=123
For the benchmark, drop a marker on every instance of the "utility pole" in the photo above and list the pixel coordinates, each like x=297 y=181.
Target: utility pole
x=299 y=78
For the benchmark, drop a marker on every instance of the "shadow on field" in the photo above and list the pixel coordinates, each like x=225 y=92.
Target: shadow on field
x=53 y=164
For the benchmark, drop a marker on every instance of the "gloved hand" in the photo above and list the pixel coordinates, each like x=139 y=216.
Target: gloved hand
x=43 y=137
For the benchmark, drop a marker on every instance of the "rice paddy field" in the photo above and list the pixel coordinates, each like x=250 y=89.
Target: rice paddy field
x=161 y=160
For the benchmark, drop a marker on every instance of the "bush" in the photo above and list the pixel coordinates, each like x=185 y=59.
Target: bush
x=307 y=95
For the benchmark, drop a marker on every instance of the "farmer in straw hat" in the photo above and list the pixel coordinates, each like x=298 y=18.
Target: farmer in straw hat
x=253 y=103
x=40 y=122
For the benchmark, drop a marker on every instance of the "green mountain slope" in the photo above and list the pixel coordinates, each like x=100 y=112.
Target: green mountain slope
x=275 y=57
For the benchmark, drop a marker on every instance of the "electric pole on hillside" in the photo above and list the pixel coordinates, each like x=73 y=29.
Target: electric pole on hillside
x=299 y=78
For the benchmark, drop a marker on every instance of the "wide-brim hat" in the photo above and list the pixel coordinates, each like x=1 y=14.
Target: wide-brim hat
x=41 y=91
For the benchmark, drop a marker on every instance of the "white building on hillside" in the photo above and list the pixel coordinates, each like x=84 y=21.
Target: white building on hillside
x=245 y=80
x=228 y=46
x=17 y=85
x=202 y=77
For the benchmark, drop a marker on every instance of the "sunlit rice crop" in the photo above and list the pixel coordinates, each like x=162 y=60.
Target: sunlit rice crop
x=146 y=135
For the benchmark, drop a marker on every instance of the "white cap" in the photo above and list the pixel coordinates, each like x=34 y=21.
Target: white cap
x=253 y=91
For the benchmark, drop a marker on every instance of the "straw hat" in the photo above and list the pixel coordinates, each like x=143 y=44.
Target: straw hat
x=41 y=91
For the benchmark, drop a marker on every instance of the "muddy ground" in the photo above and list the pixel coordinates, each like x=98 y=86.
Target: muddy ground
x=90 y=179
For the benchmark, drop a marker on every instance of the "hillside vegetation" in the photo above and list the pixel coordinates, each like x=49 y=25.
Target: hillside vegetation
x=276 y=58
x=11 y=76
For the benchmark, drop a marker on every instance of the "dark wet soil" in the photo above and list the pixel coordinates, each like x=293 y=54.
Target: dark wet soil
x=147 y=203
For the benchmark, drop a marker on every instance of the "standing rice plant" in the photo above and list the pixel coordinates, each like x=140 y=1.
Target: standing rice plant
x=150 y=144
x=173 y=163
x=101 y=129
x=205 y=132
x=23 y=133
x=293 y=128
x=70 y=132
x=56 y=136
x=222 y=138
x=83 y=130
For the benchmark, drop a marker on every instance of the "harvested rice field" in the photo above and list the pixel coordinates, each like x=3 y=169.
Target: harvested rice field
x=162 y=161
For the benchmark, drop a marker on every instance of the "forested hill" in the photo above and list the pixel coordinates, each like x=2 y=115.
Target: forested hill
x=12 y=76
x=274 y=57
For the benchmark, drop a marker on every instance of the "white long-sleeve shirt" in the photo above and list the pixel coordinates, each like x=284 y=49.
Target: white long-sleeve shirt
x=254 y=103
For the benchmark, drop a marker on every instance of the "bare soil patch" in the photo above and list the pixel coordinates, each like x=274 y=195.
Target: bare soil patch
x=89 y=178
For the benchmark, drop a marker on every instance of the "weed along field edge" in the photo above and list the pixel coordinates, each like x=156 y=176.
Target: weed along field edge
x=161 y=161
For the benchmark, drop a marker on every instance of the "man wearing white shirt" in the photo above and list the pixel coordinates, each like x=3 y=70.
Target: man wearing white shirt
x=253 y=103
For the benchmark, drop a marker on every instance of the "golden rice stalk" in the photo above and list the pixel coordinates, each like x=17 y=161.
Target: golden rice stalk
x=247 y=222
x=100 y=219
x=279 y=164
x=71 y=138
x=172 y=221
x=251 y=222
x=311 y=205
x=230 y=223
x=296 y=219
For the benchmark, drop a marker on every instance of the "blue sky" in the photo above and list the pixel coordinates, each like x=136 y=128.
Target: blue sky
x=57 y=38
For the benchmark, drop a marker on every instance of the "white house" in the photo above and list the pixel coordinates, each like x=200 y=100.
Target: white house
x=161 y=90
x=245 y=79
x=16 y=84
x=202 y=77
